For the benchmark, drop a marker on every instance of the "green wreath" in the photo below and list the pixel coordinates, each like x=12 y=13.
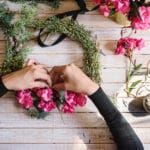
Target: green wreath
x=18 y=33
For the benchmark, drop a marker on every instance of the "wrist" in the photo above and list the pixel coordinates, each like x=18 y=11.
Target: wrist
x=6 y=82
x=92 y=88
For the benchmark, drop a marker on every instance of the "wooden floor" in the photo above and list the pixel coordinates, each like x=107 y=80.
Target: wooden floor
x=86 y=129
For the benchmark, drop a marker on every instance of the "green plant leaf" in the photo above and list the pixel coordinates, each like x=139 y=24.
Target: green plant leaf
x=133 y=85
x=135 y=70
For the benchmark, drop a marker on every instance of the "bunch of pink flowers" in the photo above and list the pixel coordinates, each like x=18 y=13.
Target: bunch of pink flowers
x=138 y=12
x=127 y=45
x=47 y=99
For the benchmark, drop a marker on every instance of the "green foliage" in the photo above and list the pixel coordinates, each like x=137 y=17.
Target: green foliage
x=16 y=35
x=5 y=18
x=133 y=85
x=53 y=3
x=131 y=73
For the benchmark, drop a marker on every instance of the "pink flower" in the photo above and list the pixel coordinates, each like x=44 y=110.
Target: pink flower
x=47 y=106
x=24 y=98
x=67 y=108
x=74 y=99
x=69 y=96
x=122 y=6
x=104 y=10
x=80 y=99
x=127 y=45
x=119 y=50
x=45 y=94
x=144 y=21
x=97 y=1
x=140 y=44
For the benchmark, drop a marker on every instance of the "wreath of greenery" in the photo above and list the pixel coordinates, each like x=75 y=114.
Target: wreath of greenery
x=18 y=33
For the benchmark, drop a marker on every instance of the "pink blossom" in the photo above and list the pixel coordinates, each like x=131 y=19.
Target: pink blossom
x=47 y=106
x=97 y=1
x=127 y=45
x=104 y=10
x=122 y=6
x=144 y=21
x=45 y=94
x=80 y=99
x=67 y=108
x=69 y=96
x=140 y=44
x=119 y=50
x=24 y=98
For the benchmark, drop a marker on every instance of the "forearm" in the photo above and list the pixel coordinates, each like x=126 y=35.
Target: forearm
x=3 y=89
x=125 y=137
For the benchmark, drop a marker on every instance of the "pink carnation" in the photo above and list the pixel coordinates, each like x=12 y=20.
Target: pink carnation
x=45 y=94
x=97 y=1
x=140 y=44
x=144 y=21
x=80 y=99
x=126 y=45
x=47 y=106
x=122 y=6
x=67 y=108
x=105 y=10
x=24 y=98
x=70 y=98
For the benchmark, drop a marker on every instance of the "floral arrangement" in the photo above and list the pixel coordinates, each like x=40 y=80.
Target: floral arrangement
x=136 y=11
x=40 y=101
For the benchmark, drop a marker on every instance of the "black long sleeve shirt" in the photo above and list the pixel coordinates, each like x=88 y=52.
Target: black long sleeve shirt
x=3 y=89
x=124 y=135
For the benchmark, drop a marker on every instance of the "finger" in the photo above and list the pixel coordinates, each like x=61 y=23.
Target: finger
x=58 y=69
x=60 y=86
x=39 y=84
x=43 y=76
x=31 y=62
x=41 y=66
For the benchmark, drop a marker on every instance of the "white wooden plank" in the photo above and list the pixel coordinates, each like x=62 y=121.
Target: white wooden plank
x=76 y=120
x=67 y=136
x=59 y=146
x=53 y=135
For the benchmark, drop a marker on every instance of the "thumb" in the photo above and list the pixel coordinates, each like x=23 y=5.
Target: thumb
x=60 y=86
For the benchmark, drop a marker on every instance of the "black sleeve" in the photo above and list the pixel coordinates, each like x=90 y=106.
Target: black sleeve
x=3 y=89
x=124 y=135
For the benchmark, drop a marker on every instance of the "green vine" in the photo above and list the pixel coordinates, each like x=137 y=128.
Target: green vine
x=19 y=33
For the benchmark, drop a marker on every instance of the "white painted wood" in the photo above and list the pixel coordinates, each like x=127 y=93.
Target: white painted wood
x=59 y=146
x=76 y=120
x=86 y=126
x=69 y=135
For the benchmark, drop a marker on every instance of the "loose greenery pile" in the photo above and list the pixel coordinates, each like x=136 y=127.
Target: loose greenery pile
x=20 y=32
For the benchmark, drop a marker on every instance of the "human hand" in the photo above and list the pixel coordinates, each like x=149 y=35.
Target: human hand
x=30 y=76
x=70 y=77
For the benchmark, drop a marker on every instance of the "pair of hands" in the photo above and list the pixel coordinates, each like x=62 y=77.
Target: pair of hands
x=68 y=77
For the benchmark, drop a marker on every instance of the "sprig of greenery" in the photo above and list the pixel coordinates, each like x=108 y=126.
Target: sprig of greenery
x=130 y=87
x=16 y=35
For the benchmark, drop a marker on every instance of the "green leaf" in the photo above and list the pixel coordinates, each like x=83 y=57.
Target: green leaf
x=62 y=96
x=135 y=70
x=42 y=115
x=133 y=85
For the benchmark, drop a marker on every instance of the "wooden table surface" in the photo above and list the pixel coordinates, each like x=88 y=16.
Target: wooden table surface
x=85 y=129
